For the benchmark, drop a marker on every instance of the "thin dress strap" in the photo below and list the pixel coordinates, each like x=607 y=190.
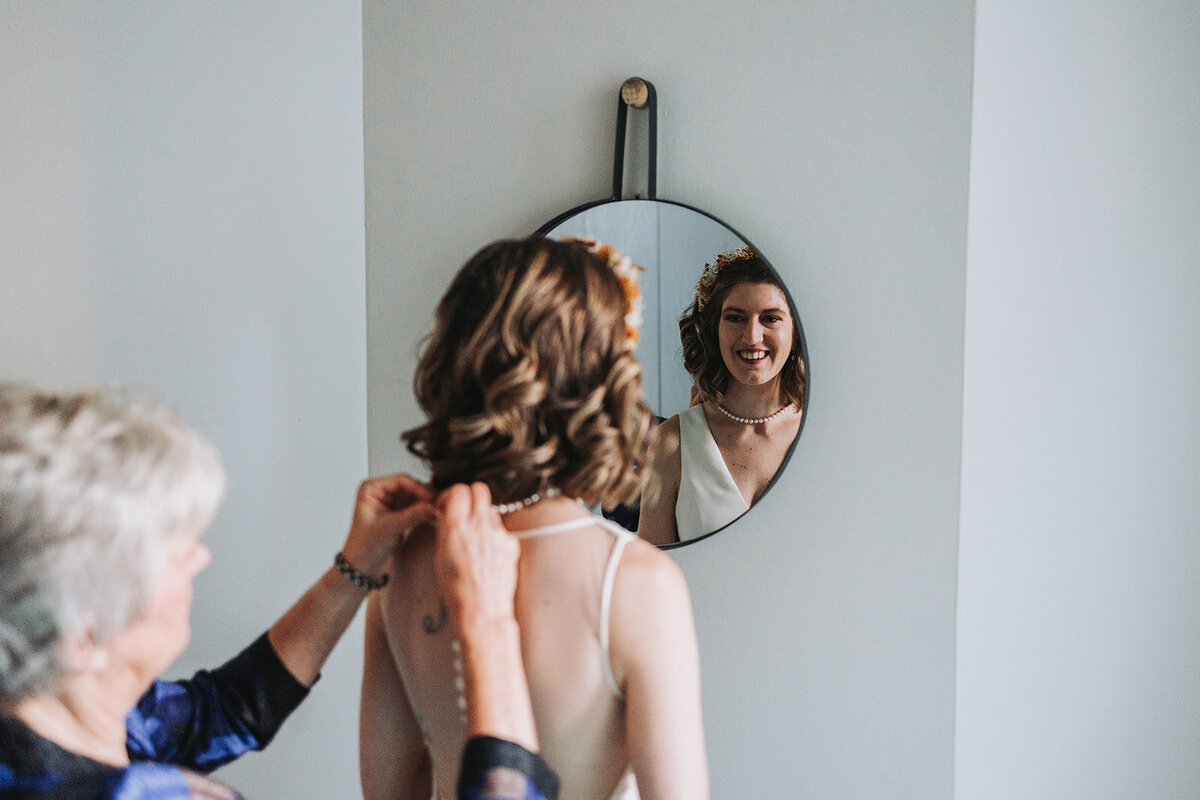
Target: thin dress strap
x=560 y=527
x=623 y=537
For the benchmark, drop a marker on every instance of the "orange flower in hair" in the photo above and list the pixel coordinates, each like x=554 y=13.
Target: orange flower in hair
x=627 y=274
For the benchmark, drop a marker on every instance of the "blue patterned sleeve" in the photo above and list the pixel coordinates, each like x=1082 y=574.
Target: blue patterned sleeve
x=215 y=716
x=496 y=769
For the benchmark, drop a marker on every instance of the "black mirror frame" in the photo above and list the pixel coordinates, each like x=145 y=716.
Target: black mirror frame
x=544 y=229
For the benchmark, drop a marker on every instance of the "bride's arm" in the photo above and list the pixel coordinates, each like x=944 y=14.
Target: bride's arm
x=393 y=759
x=655 y=657
x=660 y=487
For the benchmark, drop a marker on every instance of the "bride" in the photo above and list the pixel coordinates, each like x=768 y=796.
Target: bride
x=532 y=393
x=741 y=346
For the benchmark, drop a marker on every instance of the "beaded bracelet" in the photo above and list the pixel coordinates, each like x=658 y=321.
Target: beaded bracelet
x=357 y=578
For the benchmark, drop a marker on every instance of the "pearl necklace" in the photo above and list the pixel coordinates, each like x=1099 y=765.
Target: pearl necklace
x=517 y=505
x=751 y=420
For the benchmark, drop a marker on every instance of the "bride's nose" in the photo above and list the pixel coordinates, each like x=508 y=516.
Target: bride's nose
x=753 y=333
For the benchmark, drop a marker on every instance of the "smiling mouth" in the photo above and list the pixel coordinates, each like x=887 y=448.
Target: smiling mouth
x=751 y=356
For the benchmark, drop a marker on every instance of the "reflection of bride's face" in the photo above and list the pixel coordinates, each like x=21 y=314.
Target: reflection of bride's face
x=755 y=332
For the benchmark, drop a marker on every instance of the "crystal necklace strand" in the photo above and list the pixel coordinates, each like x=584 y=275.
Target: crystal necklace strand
x=751 y=420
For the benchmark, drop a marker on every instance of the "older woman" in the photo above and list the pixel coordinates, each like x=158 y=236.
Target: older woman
x=103 y=498
x=741 y=346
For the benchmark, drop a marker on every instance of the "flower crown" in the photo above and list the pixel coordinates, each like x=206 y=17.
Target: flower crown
x=627 y=274
x=708 y=278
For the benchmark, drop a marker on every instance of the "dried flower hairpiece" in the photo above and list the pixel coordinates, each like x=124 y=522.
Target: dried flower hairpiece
x=627 y=273
x=708 y=278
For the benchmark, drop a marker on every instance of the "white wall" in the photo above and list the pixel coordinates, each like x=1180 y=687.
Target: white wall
x=1079 y=602
x=835 y=136
x=181 y=206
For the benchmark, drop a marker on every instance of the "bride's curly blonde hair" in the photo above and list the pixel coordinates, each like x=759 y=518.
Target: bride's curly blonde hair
x=528 y=381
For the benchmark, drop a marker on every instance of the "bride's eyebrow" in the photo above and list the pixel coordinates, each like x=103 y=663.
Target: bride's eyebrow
x=772 y=310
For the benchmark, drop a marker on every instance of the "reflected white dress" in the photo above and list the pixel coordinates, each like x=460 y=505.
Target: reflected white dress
x=708 y=497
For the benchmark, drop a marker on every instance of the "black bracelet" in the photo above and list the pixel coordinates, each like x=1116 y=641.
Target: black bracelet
x=357 y=578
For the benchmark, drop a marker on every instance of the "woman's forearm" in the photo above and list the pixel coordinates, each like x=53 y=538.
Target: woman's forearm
x=497 y=693
x=386 y=510
x=306 y=634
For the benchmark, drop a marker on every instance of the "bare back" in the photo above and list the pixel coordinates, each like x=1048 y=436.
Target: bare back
x=580 y=718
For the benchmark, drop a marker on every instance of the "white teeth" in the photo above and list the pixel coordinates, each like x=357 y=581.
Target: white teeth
x=757 y=355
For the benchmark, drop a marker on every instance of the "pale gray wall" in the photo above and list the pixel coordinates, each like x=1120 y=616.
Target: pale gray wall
x=1079 y=595
x=181 y=206
x=835 y=136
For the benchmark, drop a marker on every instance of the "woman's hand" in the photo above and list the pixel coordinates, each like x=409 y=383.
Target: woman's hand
x=386 y=510
x=476 y=556
x=477 y=571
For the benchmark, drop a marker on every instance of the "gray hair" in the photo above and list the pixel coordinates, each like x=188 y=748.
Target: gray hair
x=94 y=488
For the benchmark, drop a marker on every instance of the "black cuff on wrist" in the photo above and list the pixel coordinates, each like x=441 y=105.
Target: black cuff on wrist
x=483 y=753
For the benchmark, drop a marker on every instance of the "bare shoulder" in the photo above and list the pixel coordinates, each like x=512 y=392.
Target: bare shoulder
x=666 y=440
x=649 y=574
x=666 y=464
x=651 y=625
x=660 y=486
x=670 y=427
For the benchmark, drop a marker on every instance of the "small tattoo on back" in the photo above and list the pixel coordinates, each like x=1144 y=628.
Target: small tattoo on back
x=431 y=624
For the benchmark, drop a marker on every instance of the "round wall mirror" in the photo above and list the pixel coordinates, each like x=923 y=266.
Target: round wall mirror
x=673 y=242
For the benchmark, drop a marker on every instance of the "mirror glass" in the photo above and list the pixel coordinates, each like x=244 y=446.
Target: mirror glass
x=673 y=242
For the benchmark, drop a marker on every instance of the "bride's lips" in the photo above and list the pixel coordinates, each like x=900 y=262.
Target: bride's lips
x=753 y=356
